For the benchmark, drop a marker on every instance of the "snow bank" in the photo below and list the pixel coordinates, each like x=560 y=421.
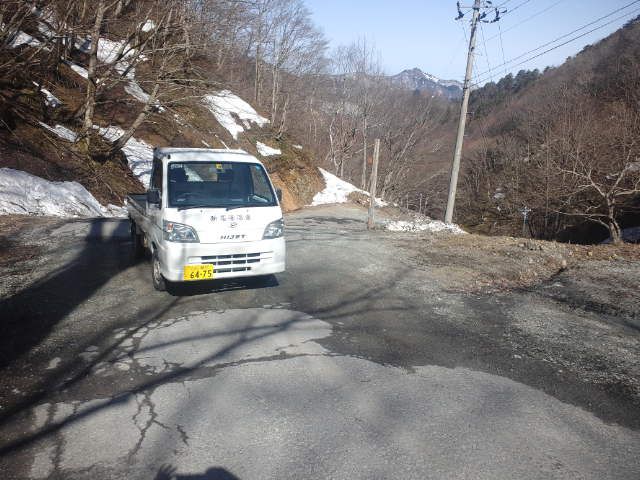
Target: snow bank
x=24 y=194
x=139 y=153
x=422 y=225
x=226 y=106
x=266 y=150
x=337 y=191
x=62 y=132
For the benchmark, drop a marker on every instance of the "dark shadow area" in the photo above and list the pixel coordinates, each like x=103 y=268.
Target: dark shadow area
x=189 y=289
x=30 y=315
x=167 y=472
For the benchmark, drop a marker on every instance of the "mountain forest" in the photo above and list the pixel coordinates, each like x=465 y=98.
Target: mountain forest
x=551 y=155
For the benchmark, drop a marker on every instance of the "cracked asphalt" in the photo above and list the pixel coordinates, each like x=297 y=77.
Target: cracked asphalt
x=355 y=363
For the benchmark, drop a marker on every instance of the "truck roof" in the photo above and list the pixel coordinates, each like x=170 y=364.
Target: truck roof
x=204 y=155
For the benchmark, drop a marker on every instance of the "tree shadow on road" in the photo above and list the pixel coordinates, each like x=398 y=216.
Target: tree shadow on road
x=246 y=335
x=29 y=316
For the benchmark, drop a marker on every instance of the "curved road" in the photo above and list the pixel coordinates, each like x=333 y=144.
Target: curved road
x=354 y=364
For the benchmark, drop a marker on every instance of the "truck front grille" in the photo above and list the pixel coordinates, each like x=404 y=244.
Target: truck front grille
x=237 y=262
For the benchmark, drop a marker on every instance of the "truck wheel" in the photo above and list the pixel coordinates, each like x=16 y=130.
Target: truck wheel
x=159 y=283
x=136 y=239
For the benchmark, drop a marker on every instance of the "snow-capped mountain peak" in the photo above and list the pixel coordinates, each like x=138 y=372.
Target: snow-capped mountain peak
x=416 y=79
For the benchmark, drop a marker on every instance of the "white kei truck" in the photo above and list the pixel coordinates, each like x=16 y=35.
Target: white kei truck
x=208 y=214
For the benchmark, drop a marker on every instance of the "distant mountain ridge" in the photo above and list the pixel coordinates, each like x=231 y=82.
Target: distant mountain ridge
x=416 y=79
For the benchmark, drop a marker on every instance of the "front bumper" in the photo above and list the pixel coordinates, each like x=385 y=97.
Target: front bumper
x=230 y=260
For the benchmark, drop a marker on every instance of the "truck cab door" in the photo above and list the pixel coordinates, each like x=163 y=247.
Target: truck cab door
x=154 y=209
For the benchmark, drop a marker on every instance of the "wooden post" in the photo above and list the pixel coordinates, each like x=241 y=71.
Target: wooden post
x=374 y=184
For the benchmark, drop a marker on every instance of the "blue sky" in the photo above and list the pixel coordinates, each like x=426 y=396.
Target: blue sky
x=423 y=33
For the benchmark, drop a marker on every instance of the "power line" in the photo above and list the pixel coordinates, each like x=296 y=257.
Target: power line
x=486 y=52
x=530 y=17
x=503 y=4
x=516 y=7
x=502 y=47
x=483 y=74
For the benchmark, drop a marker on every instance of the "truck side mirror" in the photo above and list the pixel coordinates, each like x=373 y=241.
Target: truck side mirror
x=153 y=196
x=279 y=194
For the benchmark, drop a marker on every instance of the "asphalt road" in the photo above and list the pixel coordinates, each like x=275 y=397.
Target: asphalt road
x=355 y=363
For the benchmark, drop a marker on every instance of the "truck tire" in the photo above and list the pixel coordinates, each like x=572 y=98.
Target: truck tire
x=136 y=240
x=159 y=283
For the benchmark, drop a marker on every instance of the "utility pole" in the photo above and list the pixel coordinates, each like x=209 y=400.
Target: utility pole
x=374 y=184
x=455 y=167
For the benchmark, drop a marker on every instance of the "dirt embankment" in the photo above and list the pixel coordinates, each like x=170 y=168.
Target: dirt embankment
x=26 y=146
x=582 y=303
x=476 y=263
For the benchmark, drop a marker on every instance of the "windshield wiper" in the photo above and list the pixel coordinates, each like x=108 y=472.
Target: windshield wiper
x=227 y=207
x=249 y=205
x=189 y=207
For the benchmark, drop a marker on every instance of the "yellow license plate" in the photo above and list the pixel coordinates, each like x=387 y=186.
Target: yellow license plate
x=198 y=272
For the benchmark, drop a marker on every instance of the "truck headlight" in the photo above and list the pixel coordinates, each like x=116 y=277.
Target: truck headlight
x=274 y=229
x=177 y=232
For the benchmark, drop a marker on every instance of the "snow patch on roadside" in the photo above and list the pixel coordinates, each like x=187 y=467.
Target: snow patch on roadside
x=62 y=132
x=266 y=150
x=422 y=225
x=24 y=194
x=337 y=191
x=226 y=106
x=138 y=152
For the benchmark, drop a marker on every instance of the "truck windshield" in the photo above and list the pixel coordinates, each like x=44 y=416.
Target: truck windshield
x=218 y=184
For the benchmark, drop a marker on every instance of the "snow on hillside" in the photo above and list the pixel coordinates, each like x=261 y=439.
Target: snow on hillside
x=416 y=79
x=119 y=55
x=24 y=194
x=22 y=38
x=337 y=191
x=61 y=131
x=78 y=69
x=266 y=150
x=50 y=99
x=226 y=106
x=422 y=225
x=138 y=152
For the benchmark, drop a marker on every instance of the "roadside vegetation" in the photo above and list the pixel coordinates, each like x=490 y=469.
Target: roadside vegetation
x=563 y=148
